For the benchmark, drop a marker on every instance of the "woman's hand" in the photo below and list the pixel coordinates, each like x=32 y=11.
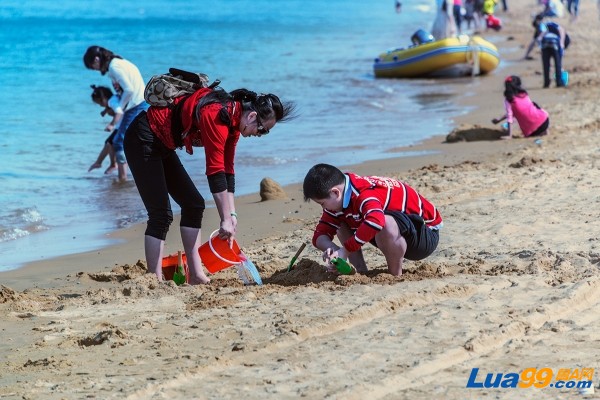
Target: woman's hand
x=227 y=229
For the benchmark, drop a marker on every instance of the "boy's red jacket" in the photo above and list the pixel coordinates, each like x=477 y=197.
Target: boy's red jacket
x=369 y=197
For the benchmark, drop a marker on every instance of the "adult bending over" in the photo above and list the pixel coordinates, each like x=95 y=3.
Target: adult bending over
x=213 y=119
x=126 y=76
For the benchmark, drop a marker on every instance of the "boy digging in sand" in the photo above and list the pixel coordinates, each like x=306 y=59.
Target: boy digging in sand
x=382 y=211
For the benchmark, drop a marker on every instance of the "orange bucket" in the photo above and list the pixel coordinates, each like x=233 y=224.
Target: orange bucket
x=217 y=255
x=169 y=265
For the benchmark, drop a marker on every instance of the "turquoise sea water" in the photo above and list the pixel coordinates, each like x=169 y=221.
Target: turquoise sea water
x=316 y=53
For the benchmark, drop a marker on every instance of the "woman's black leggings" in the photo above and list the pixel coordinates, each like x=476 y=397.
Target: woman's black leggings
x=158 y=173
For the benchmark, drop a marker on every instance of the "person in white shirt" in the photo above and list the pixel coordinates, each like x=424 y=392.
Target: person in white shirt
x=127 y=76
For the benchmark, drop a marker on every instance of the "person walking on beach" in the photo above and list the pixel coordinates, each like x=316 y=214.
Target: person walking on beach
x=210 y=118
x=127 y=76
x=105 y=98
x=532 y=119
x=368 y=209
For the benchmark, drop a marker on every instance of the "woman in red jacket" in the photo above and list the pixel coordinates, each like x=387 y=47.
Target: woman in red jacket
x=209 y=118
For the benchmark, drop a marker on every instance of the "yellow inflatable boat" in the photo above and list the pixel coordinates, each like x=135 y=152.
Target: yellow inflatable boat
x=434 y=58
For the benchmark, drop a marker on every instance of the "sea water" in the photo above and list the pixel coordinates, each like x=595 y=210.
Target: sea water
x=316 y=53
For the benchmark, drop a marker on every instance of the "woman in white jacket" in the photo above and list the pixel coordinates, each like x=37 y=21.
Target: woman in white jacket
x=127 y=76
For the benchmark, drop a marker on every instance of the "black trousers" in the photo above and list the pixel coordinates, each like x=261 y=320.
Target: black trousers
x=548 y=54
x=158 y=173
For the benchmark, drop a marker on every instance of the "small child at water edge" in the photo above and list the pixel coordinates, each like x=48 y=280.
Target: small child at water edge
x=382 y=211
x=104 y=97
x=532 y=119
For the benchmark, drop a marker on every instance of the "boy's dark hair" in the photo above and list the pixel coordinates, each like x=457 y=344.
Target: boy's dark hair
x=319 y=181
x=512 y=87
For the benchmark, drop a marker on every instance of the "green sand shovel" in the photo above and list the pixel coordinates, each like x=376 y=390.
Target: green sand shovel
x=296 y=256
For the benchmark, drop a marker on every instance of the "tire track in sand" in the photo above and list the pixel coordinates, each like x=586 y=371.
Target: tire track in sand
x=580 y=297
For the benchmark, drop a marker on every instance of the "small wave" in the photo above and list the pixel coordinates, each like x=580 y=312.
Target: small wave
x=21 y=222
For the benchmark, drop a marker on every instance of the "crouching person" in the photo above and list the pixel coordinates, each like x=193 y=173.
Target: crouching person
x=382 y=211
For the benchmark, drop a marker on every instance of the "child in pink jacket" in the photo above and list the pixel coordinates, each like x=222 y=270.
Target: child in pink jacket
x=532 y=119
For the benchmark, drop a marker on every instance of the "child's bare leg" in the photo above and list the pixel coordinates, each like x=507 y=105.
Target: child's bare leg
x=356 y=258
x=113 y=159
x=392 y=245
x=103 y=153
x=191 y=241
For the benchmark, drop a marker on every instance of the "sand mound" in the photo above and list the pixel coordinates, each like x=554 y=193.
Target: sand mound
x=120 y=273
x=473 y=133
x=271 y=190
x=7 y=294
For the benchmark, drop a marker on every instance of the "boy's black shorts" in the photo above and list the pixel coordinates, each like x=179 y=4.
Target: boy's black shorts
x=420 y=240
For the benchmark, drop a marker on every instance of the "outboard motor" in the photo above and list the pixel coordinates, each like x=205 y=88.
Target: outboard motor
x=421 y=36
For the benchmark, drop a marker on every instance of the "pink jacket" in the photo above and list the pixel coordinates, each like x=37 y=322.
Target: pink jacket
x=528 y=116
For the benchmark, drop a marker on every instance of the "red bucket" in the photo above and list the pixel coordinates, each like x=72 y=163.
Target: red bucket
x=169 y=266
x=217 y=255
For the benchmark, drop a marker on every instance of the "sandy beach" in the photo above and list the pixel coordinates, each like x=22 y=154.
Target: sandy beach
x=514 y=283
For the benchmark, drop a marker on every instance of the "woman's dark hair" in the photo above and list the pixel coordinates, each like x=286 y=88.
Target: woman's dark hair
x=512 y=87
x=100 y=93
x=319 y=181
x=267 y=106
x=103 y=54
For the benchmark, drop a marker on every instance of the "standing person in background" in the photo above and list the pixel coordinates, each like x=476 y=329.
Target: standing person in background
x=443 y=25
x=457 y=13
x=489 y=7
x=105 y=98
x=504 y=6
x=398 y=6
x=127 y=76
x=479 y=15
x=470 y=13
x=532 y=119
x=215 y=120
x=573 y=9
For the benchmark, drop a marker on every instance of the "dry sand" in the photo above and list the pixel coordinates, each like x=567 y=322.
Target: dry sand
x=515 y=282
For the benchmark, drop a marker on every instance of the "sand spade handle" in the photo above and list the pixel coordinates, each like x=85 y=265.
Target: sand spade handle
x=217 y=254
